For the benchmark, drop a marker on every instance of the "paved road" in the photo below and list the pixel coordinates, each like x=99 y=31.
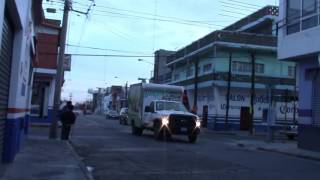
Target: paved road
x=115 y=154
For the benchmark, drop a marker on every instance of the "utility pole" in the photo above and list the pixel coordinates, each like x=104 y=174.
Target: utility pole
x=228 y=94
x=286 y=105
x=295 y=95
x=270 y=118
x=195 y=98
x=126 y=94
x=60 y=71
x=253 y=72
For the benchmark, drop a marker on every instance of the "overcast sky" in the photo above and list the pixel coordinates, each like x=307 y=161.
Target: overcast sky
x=137 y=27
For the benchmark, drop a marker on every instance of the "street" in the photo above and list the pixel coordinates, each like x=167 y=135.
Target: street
x=113 y=153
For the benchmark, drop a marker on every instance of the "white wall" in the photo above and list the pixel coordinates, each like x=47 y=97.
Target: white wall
x=296 y=44
x=20 y=67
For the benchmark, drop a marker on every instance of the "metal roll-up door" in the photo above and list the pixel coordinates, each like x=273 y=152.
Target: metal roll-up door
x=5 y=68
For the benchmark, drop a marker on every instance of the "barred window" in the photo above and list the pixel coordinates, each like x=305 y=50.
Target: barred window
x=207 y=68
x=245 y=67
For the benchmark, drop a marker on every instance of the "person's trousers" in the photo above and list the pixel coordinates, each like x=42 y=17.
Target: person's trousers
x=65 y=132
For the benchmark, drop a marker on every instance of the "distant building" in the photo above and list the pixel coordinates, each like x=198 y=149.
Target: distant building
x=162 y=73
x=110 y=98
x=202 y=67
x=299 y=41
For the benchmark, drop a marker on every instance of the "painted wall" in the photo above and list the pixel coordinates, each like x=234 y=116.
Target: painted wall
x=272 y=67
x=215 y=98
x=297 y=44
x=21 y=58
x=220 y=63
x=17 y=118
x=305 y=93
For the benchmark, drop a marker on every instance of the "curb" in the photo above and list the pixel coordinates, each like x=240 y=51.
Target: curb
x=289 y=154
x=82 y=166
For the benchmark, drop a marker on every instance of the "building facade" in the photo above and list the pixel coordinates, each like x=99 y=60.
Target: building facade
x=206 y=67
x=299 y=41
x=16 y=52
x=45 y=65
x=162 y=73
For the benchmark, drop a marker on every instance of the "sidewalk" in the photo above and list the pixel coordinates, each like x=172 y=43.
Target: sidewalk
x=258 y=142
x=41 y=159
x=288 y=148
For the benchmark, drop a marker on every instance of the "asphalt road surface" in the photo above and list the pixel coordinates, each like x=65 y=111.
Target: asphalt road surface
x=113 y=153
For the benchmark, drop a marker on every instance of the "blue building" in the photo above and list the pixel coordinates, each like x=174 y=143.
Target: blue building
x=299 y=42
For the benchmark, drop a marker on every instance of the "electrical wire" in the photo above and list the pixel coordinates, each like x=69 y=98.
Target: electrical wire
x=105 y=49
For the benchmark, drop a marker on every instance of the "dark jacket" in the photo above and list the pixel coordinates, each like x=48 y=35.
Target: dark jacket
x=68 y=118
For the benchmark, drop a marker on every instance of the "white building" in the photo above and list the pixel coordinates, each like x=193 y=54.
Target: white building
x=16 y=51
x=299 y=41
x=202 y=67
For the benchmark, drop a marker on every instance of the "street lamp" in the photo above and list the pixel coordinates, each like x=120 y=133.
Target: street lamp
x=142 y=60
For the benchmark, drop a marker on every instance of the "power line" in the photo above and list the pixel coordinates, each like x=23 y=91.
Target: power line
x=104 y=49
x=223 y=58
x=127 y=16
x=238 y=13
x=151 y=14
x=249 y=4
x=239 y=5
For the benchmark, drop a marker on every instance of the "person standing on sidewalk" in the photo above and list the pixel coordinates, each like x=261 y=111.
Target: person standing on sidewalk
x=68 y=118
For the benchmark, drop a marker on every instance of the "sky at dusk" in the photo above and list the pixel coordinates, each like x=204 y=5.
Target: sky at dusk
x=136 y=28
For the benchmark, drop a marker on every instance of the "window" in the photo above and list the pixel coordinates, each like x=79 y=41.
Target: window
x=309 y=14
x=176 y=76
x=291 y=71
x=293 y=16
x=190 y=71
x=245 y=67
x=301 y=15
x=309 y=7
x=207 y=68
x=259 y=68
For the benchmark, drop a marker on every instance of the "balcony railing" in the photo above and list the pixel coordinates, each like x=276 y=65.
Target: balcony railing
x=225 y=37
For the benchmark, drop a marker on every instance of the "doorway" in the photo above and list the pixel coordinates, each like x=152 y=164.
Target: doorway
x=245 y=119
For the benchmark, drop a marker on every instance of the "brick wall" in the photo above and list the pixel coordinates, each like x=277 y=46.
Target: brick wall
x=47 y=51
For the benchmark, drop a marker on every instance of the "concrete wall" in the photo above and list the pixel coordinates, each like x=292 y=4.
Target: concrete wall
x=296 y=44
x=220 y=63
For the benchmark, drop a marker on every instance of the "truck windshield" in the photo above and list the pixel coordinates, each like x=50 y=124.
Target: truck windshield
x=175 y=106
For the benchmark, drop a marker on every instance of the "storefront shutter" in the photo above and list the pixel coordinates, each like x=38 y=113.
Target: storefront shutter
x=5 y=68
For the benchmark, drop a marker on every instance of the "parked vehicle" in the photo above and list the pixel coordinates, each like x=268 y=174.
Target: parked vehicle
x=159 y=108
x=123 y=119
x=291 y=131
x=112 y=114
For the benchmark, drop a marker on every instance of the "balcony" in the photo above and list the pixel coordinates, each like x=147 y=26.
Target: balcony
x=223 y=38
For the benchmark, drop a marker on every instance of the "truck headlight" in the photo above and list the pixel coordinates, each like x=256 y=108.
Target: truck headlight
x=198 y=123
x=165 y=121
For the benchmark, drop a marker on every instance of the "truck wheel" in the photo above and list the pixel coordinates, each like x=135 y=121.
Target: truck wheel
x=135 y=130
x=192 y=138
x=290 y=136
